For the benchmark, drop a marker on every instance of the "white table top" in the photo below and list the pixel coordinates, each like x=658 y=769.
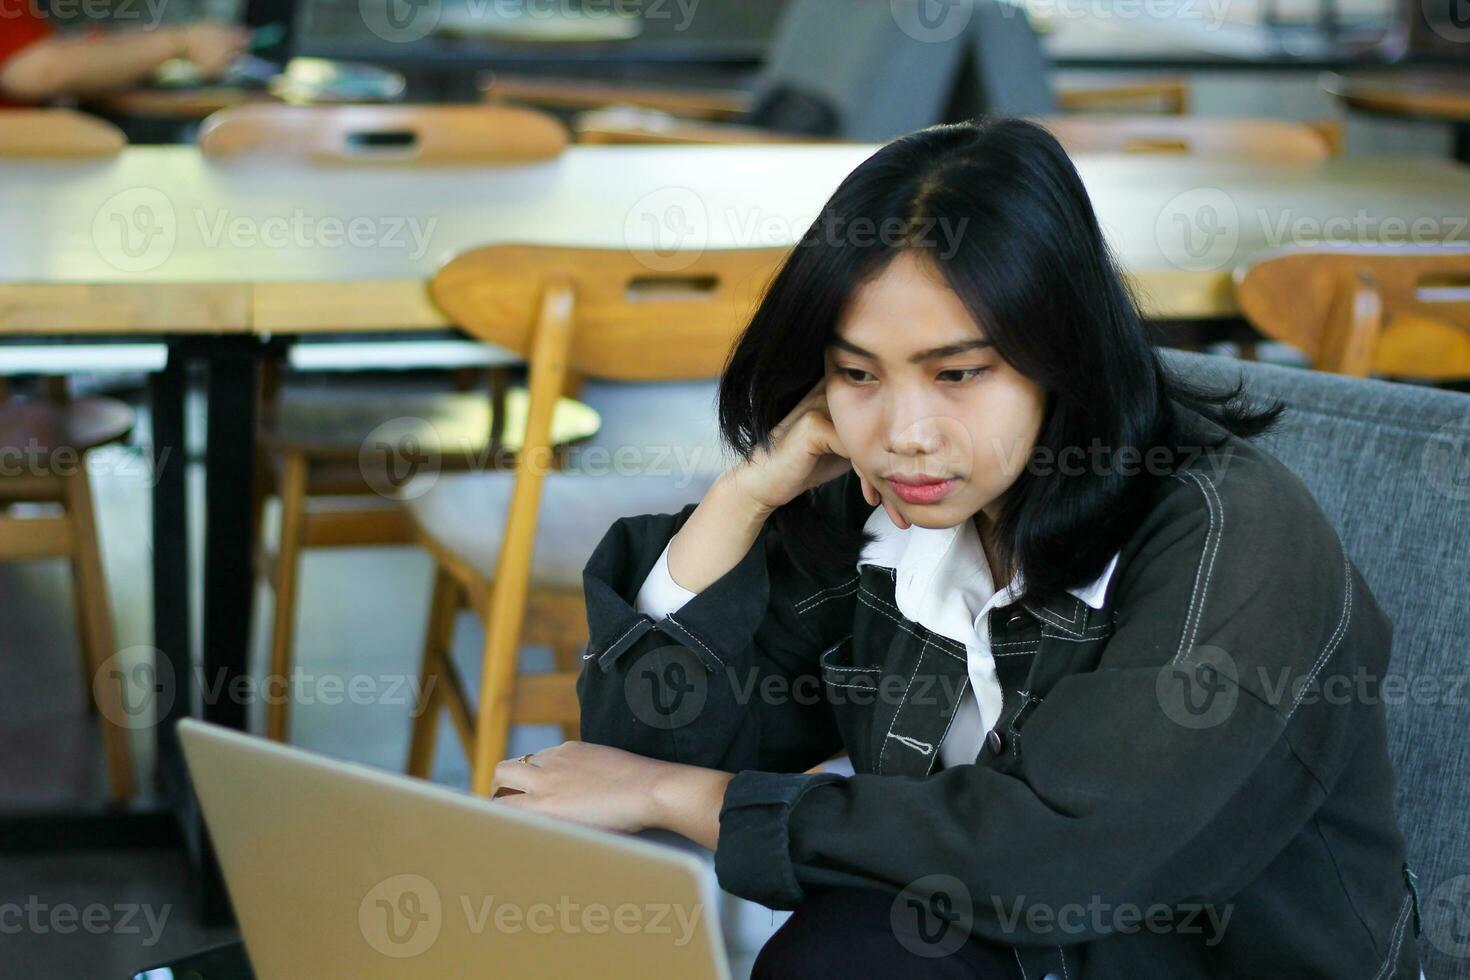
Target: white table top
x=159 y=237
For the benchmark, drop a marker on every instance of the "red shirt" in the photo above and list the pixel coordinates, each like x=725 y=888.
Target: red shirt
x=20 y=27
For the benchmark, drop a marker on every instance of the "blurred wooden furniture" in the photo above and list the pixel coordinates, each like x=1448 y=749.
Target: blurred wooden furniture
x=1164 y=94
x=1266 y=140
x=313 y=449
x=315 y=452
x=603 y=314
x=1400 y=311
x=57 y=133
x=1433 y=96
x=81 y=284
x=50 y=441
x=406 y=134
x=183 y=104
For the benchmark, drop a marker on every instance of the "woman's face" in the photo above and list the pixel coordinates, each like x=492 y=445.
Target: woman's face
x=934 y=419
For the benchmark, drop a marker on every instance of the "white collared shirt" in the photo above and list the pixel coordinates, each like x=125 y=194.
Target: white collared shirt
x=942 y=581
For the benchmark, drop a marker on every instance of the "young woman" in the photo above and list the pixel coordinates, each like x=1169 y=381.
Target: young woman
x=1072 y=627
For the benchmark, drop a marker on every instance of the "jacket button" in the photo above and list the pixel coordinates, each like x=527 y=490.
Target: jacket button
x=1051 y=976
x=1016 y=618
x=994 y=741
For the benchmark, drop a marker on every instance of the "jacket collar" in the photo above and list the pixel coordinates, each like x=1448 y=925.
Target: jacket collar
x=941 y=579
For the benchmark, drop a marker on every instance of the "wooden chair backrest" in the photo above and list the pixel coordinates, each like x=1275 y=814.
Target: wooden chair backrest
x=1400 y=310
x=633 y=320
x=606 y=313
x=1250 y=139
x=57 y=133
x=405 y=134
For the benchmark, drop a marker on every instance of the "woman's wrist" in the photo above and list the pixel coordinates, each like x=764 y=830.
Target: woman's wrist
x=687 y=800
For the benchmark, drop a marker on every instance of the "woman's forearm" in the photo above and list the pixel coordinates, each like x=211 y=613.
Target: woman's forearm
x=716 y=536
x=688 y=799
x=84 y=66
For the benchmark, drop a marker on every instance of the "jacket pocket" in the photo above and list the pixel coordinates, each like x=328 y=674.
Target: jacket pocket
x=854 y=690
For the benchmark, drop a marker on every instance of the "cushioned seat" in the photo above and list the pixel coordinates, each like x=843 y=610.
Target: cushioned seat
x=465 y=513
x=456 y=424
x=657 y=449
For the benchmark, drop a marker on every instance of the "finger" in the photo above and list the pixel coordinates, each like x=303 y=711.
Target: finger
x=898 y=519
x=514 y=774
x=869 y=494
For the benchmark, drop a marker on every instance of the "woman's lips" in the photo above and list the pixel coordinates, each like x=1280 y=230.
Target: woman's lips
x=921 y=493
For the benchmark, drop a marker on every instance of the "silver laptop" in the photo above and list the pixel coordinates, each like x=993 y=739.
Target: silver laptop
x=340 y=870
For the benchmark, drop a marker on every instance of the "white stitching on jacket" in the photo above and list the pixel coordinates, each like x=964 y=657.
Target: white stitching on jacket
x=1332 y=641
x=902 y=701
x=589 y=656
x=954 y=713
x=903 y=625
x=1398 y=937
x=941 y=641
x=913 y=743
x=1055 y=620
x=1202 y=573
x=835 y=595
x=696 y=639
x=831 y=588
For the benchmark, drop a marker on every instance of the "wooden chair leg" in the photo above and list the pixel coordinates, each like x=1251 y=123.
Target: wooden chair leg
x=567 y=658
x=260 y=491
x=97 y=636
x=492 y=717
x=438 y=640
x=84 y=633
x=288 y=563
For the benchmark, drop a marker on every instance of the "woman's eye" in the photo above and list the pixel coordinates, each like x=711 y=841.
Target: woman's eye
x=855 y=375
x=961 y=374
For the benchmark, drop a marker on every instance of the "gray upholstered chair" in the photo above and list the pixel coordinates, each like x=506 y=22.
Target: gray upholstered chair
x=1008 y=71
x=861 y=70
x=1390 y=464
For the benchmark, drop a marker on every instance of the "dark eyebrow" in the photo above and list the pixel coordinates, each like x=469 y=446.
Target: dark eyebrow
x=932 y=354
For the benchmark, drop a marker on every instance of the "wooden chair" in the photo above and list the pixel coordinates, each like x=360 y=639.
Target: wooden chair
x=603 y=314
x=378 y=134
x=1252 y=139
x=57 y=133
x=1392 y=310
x=312 y=448
x=53 y=440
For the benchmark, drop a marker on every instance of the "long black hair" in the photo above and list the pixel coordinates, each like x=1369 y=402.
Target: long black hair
x=998 y=208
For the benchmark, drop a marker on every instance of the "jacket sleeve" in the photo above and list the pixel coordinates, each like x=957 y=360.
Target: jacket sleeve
x=726 y=680
x=1122 y=794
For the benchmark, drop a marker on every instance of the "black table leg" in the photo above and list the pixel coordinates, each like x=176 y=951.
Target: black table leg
x=229 y=581
x=171 y=570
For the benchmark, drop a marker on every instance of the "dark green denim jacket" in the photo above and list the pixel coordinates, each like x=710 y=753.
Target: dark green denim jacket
x=1192 y=781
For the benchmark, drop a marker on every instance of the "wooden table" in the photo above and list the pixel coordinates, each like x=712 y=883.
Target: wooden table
x=249 y=248
x=217 y=258
x=1435 y=96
